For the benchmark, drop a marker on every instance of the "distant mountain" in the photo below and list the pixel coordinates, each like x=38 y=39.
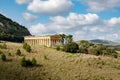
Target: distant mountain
x=12 y=31
x=118 y=41
x=101 y=41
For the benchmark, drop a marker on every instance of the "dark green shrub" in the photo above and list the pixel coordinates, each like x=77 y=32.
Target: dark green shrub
x=3 y=57
x=34 y=61
x=92 y=50
x=45 y=56
x=28 y=63
x=84 y=45
x=18 y=52
x=23 y=62
x=58 y=48
x=24 y=45
x=9 y=54
x=71 y=47
x=115 y=55
x=27 y=47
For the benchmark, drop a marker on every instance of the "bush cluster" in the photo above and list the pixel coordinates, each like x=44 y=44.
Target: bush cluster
x=27 y=62
x=96 y=49
x=71 y=47
x=27 y=47
x=89 y=48
x=3 y=57
x=18 y=52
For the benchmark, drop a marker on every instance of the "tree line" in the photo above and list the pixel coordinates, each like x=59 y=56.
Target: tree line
x=85 y=47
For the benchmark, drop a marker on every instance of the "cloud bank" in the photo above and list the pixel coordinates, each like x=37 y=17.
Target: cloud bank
x=101 y=5
x=80 y=25
x=29 y=17
x=49 y=6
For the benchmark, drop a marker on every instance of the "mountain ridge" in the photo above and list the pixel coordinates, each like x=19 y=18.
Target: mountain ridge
x=103 y=41
x=11 y=30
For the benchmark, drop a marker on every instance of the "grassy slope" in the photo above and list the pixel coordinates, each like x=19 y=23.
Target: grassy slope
x=57 y=65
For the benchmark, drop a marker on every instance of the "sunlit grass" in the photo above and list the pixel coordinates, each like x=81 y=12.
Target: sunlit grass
x=57 y=65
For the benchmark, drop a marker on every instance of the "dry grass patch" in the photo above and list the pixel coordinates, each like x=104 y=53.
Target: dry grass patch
x=57 y=65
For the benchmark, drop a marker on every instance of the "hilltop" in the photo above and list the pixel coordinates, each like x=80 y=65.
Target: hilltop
x=105 y=42
x=108 y=43
x=57 y=65
x=11 y=30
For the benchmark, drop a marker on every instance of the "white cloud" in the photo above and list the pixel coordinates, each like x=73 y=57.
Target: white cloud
x=72 y=23
x=40 y=29
x=49 y=6
x=113 y=21
x=23 y=1
x=82 y=26
x=101 y=5
x=97 y=29
x=73 y=20
x=29 y=17
x=79 y=32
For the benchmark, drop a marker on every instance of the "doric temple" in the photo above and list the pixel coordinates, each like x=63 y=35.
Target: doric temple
x=49 y=41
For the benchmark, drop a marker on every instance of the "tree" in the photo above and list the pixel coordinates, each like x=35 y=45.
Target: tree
x=92 y=50
x=66 y=38
x=100 y=49
x=69 y=38
x=84 y=45
x=71 y=47
x=63 y=38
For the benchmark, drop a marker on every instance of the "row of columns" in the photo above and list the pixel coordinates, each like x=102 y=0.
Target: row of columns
x=46 y=42
x=55 y=42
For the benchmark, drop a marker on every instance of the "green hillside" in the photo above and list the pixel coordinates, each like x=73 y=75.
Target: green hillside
x=57 y=65
x=11 y=31
x=109 y=44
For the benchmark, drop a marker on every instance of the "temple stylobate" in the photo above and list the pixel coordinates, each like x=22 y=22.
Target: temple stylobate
x=50 y=41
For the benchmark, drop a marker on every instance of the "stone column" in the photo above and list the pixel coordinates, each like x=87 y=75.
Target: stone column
x=49 y=42
x=43 y=41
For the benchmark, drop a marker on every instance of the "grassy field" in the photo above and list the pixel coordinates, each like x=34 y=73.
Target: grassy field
x=57 y=65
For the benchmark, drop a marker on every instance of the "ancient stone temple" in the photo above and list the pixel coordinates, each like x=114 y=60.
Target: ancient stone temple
x=49 y=41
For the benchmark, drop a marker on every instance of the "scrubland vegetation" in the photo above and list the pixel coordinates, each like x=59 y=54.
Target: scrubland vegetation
x=52 y=64
x=86 y=47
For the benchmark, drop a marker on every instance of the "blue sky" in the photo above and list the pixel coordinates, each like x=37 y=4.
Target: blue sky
x=84 y=19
